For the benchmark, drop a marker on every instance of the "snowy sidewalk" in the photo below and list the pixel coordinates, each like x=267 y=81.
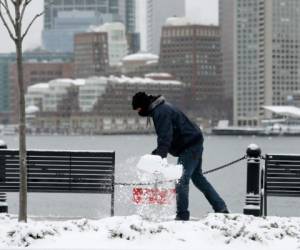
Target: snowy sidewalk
x=216 y=231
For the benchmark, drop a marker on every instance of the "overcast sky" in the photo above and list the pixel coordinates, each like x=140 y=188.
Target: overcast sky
x=205 y=11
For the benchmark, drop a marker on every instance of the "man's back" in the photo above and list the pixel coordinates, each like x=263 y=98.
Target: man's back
x=175 y=131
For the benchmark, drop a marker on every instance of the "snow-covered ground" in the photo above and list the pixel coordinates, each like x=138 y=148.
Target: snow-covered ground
x=216 y=231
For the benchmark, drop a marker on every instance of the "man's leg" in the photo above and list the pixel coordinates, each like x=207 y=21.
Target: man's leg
x=182 y=187
x=204 y=186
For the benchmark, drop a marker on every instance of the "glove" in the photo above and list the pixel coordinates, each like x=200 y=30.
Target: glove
x=157 y=152
x=154 y=152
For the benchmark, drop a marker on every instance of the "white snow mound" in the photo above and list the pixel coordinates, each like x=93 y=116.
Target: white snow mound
x=154 y=164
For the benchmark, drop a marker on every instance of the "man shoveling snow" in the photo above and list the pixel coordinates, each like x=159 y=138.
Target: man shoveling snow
x=180 y=137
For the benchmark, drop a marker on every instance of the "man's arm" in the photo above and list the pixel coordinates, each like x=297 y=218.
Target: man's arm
x=164 y=130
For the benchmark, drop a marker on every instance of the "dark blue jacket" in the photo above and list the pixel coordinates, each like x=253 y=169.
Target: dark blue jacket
x=175 y=132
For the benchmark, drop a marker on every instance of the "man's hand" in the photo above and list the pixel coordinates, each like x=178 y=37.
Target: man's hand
x=157 y=152
x=154 y=152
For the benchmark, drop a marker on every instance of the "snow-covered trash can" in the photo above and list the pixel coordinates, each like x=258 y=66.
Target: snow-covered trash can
x=156 y=198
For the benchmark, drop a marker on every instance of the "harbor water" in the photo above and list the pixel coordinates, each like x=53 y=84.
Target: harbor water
x=218 y=150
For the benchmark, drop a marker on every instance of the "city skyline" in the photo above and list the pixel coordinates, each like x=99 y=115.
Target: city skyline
x=197 y=10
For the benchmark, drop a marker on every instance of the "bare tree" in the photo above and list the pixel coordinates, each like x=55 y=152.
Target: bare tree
x=12 y=16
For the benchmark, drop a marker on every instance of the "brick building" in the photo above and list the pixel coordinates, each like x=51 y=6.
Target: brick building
x=90 y=54
x=36 y=72
x=192 y=53
x=98 y=104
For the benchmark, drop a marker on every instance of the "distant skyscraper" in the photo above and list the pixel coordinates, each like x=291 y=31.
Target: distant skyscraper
x=192 y=53
x=63 y=19
x=127 y=10
x=266 y=56
x=153 y=15
x=90 y=54
x=117 y=41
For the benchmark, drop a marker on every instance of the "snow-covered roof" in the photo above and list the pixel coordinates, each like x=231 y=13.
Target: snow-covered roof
x=284 y=110
x=141 y=57
x=158 y=74
x=76 y=82
x=32 y=109
x=139 y=80
x=39 y=87
x=152 y=62
x=179 y=21
x=106 y=27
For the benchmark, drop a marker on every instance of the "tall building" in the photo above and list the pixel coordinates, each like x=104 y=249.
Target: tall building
x=63 y=19
x=192 y=53
x=116 y=39
x=153 y=15
x=127 y=9
x=90 y=54
x=128 y=13
x=266 y=54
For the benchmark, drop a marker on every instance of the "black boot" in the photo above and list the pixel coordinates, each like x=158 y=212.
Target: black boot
x=223 y=211
x=183 y=216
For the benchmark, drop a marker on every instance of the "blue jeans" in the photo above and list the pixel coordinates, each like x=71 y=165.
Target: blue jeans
x=191 y=159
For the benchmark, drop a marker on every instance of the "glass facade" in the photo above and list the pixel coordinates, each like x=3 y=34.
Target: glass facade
x=64 y=18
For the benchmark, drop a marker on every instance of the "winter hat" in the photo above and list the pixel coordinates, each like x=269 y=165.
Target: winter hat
x=141 y=100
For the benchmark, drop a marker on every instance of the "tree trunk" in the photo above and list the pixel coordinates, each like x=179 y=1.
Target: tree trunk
x=22 y=124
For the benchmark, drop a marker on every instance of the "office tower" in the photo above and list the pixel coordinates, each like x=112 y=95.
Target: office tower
x=127 y=10
x=266 y=54
x=116 y=39
x=64 y=18
x=90 y=54
x=192 y=53
x=128 y=13
x=153 y=15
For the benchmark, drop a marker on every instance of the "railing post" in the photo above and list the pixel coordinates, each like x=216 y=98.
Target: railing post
x=3 y=203
x=253 y=199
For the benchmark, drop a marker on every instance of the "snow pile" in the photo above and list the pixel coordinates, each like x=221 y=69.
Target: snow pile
x=249 y=228
x=154 y=164
x=134 y=228
x=216 y=231
x=13 y=233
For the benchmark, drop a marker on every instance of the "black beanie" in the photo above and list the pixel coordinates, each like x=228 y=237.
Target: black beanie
x=141 y=100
